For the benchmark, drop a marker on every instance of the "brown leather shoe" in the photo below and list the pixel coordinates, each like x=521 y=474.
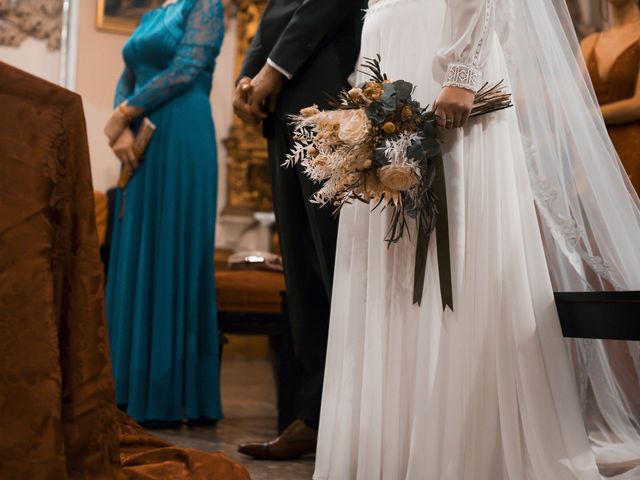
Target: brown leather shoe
x=297 y=440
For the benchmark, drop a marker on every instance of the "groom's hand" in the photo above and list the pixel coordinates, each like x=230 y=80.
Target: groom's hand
x=241 y=101
x=453 y=107
x=265 y=88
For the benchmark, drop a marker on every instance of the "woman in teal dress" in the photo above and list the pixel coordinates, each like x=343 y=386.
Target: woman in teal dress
x=161 y=302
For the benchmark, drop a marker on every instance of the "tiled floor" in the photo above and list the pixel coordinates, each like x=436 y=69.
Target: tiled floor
x=248 y=397
x=249 y=402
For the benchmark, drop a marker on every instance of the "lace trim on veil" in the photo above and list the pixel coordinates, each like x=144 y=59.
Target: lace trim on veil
x=569 y=236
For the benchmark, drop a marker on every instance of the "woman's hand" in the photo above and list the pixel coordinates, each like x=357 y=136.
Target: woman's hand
x=116 y=125
x=123 y=148
x=453 y=107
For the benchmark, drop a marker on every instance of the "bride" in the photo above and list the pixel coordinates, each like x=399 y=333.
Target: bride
x=537 y=201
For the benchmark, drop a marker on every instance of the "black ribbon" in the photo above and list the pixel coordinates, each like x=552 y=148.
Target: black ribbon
x=442 y=243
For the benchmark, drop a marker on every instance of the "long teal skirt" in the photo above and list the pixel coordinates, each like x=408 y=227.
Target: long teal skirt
x=161 y=302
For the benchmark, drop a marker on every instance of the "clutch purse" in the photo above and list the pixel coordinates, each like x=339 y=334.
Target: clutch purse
x=140 y=144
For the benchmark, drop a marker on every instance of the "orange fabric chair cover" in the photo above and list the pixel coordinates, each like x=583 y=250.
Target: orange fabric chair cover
x=58 y=419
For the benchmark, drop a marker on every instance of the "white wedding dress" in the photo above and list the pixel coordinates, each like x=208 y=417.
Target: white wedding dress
x=484 y=392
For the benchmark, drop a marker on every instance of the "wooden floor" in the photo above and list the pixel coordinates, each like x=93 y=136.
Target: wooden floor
x=249 y=402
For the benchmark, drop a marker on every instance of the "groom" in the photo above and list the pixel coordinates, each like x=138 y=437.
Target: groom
x=302 y=54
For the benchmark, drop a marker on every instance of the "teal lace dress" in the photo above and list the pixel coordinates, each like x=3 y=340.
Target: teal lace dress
x=160 y=287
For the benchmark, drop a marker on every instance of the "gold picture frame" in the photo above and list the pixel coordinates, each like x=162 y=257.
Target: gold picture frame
x=122 y=16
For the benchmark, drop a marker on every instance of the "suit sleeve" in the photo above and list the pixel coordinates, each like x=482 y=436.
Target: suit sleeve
x=310 y=25
x=255 y=58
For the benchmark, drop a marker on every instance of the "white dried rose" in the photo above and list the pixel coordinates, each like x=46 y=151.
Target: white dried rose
x=399 y=178
x=354 y=127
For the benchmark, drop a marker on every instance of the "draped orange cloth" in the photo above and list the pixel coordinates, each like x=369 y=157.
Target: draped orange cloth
x=58 y=418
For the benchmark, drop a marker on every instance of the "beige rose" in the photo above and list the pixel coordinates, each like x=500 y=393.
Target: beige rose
x=397 y=177
x=354 y=128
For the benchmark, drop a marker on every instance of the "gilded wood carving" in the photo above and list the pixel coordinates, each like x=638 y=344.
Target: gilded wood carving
x=40 y=19
x=249 y=188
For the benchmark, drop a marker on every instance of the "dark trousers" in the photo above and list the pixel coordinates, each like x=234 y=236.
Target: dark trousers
x=308 y=237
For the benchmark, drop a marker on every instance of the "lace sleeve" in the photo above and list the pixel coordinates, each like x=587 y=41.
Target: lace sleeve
x=195 y=54
x=125 y=86
x=464 y=51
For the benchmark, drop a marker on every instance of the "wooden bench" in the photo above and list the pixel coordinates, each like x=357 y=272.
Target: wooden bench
x=250 y=302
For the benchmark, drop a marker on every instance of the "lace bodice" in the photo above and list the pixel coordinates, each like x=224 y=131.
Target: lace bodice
x=173 y=49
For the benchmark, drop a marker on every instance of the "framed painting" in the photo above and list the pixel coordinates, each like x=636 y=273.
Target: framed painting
x=122 y=16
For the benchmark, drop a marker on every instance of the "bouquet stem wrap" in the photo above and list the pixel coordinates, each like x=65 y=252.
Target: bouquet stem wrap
x=442 y=243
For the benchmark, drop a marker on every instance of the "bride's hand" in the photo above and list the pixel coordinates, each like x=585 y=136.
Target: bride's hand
x=453 y=107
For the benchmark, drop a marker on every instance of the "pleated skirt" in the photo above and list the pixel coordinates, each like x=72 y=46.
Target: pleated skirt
x=483 y=392
x=161 y=303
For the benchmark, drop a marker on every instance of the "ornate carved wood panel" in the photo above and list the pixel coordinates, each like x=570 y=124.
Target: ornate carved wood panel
x=41 y=19
x=249 y=188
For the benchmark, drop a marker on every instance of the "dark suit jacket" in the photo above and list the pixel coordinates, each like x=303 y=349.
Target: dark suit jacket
x=317 y=41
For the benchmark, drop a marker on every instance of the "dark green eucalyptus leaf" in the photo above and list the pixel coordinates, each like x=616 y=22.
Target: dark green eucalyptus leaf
x=389 y=98
x=376 y=113
x=403 y=90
